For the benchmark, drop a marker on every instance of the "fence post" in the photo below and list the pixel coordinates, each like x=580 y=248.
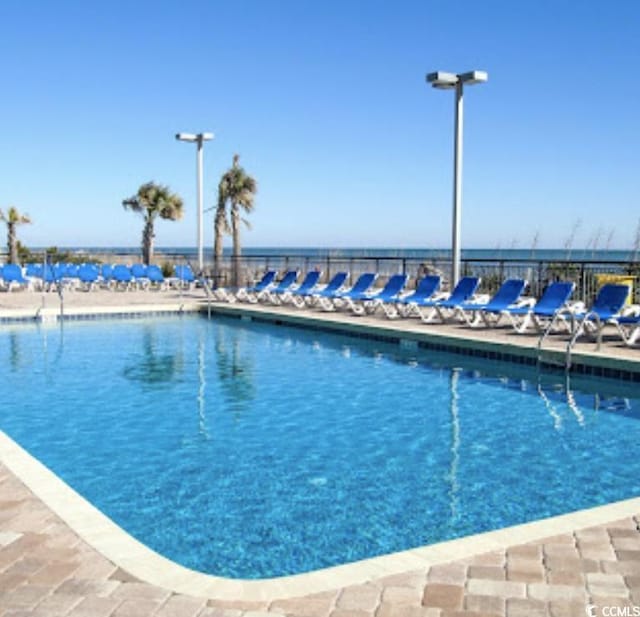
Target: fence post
x=539 y=277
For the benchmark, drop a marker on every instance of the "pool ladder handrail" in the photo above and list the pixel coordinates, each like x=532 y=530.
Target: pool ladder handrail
x=543 y=337
x=579 y=329
x=205 y=285
x=60 y=290
x=58 y=284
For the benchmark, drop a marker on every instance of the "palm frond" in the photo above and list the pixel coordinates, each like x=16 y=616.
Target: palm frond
x=153 y=200
x=132 y=204
x=13 y=217
x=237 y=187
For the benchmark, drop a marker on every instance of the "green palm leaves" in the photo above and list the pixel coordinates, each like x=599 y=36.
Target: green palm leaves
x=236 y=193
x=152 y=201
x=13 y=218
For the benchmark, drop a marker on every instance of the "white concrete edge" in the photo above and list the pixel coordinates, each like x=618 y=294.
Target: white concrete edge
x=53 y=314
x=123 y=550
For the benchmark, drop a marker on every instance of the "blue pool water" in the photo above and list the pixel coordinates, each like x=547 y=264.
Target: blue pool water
x=249 y=450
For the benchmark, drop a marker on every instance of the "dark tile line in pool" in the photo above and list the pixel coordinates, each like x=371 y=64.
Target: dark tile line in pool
x=480 y=353
x=124 y=315
x=582 y=369
x=8 y=320
x=607 y=372
x=88 y=316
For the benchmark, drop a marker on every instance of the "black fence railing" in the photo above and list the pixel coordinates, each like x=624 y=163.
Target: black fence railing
x=587 y=275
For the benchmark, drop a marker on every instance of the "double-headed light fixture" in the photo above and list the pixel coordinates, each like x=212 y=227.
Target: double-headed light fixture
x=199 y=139
x=449 y=81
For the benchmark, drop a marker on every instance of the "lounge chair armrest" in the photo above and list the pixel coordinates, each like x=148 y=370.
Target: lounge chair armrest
x=575 y=307
x=479 y=299
x=441 y=295
x=632 y=310
x=522 y=302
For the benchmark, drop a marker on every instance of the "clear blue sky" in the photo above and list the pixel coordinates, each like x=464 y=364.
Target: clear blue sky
x=327 y=105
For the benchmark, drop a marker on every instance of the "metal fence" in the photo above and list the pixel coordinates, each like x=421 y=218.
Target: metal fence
x=587 y=275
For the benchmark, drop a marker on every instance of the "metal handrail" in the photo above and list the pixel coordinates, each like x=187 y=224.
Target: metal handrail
x=200 y=276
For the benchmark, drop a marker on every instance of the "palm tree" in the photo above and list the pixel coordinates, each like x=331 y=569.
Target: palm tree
x=220 y=227
x=13 y=218
x=153 y=200
x=238 y=189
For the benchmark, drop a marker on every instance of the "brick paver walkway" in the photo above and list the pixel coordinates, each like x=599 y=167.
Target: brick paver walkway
x=46 y=570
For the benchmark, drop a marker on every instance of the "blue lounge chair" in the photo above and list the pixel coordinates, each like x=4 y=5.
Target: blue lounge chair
x=369 y=303
x=139 y=273
x=155 y=277
x=628 y=327
x=88 y=276
x=359 y=290
x=183 y=276
x=308 y=284
x=288 y=280
x=244 y=292
x=13 y=277
x=50 y=276
x=33 y=273
x=492 y=311
x=606 y=309
x=552 y=302
x=122 y=277
x=67 y=275
x=33 y=269
x=441 y=308
x=333 y=287
x=423 y=293
x=106 y=276
x=47 y=277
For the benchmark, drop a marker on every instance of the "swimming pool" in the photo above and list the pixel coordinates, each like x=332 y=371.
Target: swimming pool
x=249 y=450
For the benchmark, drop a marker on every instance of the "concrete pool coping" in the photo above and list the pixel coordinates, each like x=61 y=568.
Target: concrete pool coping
x=115 y=544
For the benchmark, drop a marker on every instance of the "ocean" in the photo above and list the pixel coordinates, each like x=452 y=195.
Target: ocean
x=576 y=254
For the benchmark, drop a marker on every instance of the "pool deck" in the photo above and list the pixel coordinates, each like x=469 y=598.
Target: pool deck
x=57 y=557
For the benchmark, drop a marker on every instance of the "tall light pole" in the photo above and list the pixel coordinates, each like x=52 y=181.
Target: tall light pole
x=199 y=139
x=449 y=81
